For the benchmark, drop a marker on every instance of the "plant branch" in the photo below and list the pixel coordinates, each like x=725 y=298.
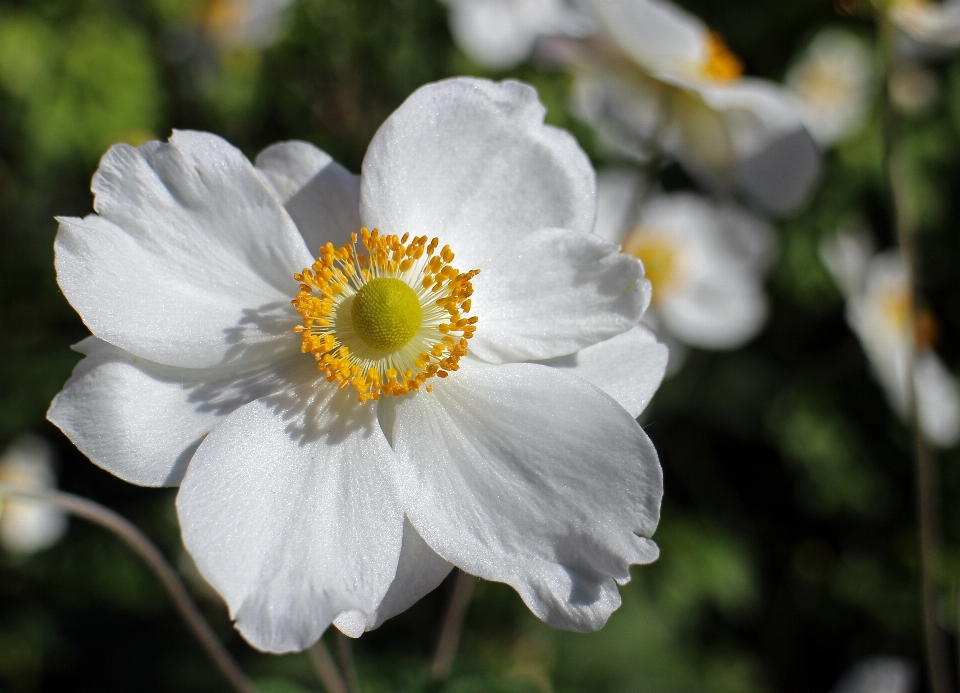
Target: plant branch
x=138 y=541
x=927 y=476
x=326 y=669
x=347 y=663
x=449 y=640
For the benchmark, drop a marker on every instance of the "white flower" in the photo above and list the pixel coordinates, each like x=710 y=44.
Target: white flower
x=499 y=34
x=662 y=79
x=930 y=24
x=301 y=505
x=879 y=675
x=913 y=88
x=833 y=83
x=239 y=23
x=27 y=526
x=878 y=311
x=706 y=261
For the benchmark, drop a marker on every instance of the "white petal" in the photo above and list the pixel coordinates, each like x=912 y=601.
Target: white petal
x=419 y=572
x=290 y=510
x=618 y=192
x=143 y=421
x=554 y=292
x=628 y=367
x=747 y=134
x=527 y=475
x=625 y=110
x=847 y=255
x=190 y=247
x=320 y=195
x=492 y=32
x=471 y=162
x=719 y=315
x=938 y=403
x=879 y=675
x=657 y=34
x=782 y=176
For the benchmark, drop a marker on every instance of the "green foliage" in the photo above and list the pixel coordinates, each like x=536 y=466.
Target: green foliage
x=81 y=87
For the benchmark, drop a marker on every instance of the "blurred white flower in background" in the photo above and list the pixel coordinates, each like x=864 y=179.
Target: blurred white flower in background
x=879 y=675
x=833 y=81
x=346 y=495
x=658 y=79
x=499 y=34
x=243 y=23
x=878 y=311
x=913 y=88
x=930 y=24
x=26 y=525
x=706 y=261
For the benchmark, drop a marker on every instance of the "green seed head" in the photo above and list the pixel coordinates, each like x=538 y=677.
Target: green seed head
x=386 y=314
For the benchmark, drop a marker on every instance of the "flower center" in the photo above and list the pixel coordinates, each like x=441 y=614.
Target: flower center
x=387 y=320
x=386 y=313
x=897 y=309
x=660 y=258
x=721 y=65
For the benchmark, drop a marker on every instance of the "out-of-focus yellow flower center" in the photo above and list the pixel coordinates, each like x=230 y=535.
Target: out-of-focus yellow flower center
x=721 y=64
x=223 y=17
x=819 y=86
x=387 y=320
x=897 y=309
x=659 y=257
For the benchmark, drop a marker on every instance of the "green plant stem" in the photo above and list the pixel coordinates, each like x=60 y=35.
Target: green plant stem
x=137 y=540
x=326 y=669
x=927 y=475
x=347 y=663
x=449 y=640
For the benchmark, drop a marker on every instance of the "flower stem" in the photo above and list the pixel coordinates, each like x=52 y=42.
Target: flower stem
x=927 y=476
x=136 y=540
x=326 y=668
x=347 y=663
x=449 y=640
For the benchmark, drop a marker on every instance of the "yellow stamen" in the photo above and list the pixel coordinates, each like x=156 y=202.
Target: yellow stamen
x=659 y=256
x=897 y=308
x=396 y=310
x=721 y=64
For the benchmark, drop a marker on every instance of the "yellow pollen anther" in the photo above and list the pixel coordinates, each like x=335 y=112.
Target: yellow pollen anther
x=721 y=64
x=395 y=309
x=897 y=309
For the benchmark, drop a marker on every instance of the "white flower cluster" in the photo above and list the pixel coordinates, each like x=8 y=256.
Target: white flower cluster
x=360 y=382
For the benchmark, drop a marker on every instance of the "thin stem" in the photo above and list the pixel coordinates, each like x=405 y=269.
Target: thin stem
x=449 y=640
x=326 y=668
x=927 y=474
x=347 y=663
x=136 y=540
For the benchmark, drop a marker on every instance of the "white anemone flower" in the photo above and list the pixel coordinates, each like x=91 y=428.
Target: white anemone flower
x=27 y=526
x=499 y=34
x=878 y=311
x=485 y=421
x=657 y=78
x=833 y=82
x=932 y=25
x=706 y=261
x=879 y=675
